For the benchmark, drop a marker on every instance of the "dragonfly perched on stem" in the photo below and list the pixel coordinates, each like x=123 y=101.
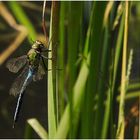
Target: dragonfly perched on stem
x=33 y=70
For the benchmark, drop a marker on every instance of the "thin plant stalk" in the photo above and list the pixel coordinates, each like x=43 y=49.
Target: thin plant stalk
x=121 y=121
x=52 y=97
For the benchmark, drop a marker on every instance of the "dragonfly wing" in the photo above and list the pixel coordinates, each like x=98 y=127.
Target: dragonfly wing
x=19 y=83
x=15 y=64
x=39 y=74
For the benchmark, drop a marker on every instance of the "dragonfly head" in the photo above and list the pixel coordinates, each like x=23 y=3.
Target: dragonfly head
x=38 y=45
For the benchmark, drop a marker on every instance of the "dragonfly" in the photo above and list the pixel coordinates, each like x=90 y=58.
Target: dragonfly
x=32 y=70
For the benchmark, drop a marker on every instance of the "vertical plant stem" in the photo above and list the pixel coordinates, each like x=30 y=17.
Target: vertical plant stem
x=61 y=56
x=121 y=123
x=43 y=20
x=52 y=105
x=106 y=51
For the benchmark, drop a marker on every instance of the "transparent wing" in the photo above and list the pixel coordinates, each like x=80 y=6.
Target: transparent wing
x=39 y=74
x=20 y=82
x=15 y=64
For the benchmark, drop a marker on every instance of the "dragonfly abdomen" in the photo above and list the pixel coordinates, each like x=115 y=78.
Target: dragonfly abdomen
x=19 y=102
x=27 y=80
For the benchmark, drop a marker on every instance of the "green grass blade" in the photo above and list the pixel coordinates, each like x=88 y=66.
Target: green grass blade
x=118 y=49
x=102 y=87
x=86 y=48
x=64 y=125
x=133 y=86
x=110 y=91
x=52 y=97
x=95 y=43
x=61 y=59
x=130 y=95
x=28 y=131
x=74 y=22
x=38 y=128
x=121 y=123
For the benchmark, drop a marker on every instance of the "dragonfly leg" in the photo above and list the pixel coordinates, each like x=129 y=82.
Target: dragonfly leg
x=46 y=50
x=46 y=57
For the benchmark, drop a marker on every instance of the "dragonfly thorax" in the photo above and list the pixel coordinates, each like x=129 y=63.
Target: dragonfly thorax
x=33 y=58
x=34 y=54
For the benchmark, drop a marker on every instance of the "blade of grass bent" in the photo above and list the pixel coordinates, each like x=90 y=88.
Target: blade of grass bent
x=20 y=37
x=22 y=18
x=38 y=128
